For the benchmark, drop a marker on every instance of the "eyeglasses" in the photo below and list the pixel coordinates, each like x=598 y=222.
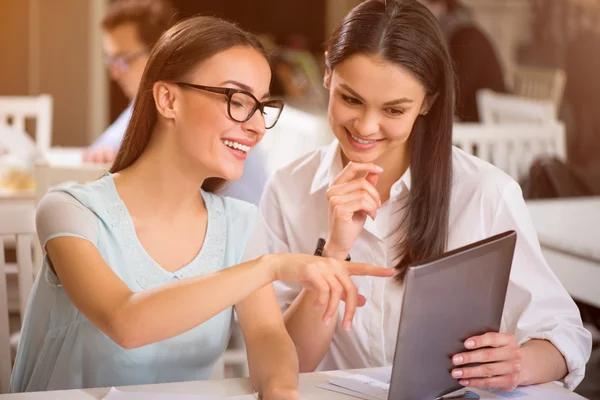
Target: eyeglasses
x=242 y=105
x=123 y=61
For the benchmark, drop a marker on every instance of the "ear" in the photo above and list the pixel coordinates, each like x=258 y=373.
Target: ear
x=327 y=78
x=164 y=99
x=327 y=75
x=428 y=103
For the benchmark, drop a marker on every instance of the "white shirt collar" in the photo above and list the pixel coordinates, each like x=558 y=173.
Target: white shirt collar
x=331 y=166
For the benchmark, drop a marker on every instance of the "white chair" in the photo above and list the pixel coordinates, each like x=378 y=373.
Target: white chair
x=19 y=148
x=501 y=108
x=14 y=110
x=539 y=83
x=511 y=147
x=18 y=221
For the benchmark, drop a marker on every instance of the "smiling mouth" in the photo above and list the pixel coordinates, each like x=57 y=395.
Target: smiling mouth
x=361 y=141
x=237 y=146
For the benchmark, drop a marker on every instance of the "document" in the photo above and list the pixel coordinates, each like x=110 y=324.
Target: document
x=370 y=385
x=375 y=385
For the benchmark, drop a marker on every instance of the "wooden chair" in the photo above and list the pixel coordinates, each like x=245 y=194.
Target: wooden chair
x=539 y=83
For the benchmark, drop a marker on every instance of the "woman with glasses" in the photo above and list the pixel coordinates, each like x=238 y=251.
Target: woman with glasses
x=141 y=270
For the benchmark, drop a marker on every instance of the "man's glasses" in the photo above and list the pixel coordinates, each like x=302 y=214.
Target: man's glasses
x=242 y=105
x=123 y=61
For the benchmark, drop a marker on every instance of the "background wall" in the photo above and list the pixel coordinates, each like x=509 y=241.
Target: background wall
x=54 y=47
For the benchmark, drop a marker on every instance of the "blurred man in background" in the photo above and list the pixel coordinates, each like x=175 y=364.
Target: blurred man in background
x=131 y=28
x=477 y=64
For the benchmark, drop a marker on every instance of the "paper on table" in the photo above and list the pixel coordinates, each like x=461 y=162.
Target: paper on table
x=370 y=385
x=339 y=389
x=364 y=384
x=532 y=392
x=374 y=385
x=116 y=394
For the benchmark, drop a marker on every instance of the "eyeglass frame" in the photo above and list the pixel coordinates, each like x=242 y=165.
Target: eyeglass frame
x=229 y=92
x=123 y=61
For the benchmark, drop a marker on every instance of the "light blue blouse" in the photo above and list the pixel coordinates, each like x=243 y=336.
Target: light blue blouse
x=61 y=349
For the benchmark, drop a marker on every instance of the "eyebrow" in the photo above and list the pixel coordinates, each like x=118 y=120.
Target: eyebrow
x=245 y=87
x=389 y=103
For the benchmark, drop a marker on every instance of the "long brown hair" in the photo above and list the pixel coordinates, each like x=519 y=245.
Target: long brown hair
x=179 y=50
x=405 y=33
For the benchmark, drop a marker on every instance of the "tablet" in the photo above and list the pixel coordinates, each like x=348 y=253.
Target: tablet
x=447 y=300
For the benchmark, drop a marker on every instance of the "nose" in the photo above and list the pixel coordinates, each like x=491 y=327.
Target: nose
x=256 y=124
x=367 y=123
x=115 y=71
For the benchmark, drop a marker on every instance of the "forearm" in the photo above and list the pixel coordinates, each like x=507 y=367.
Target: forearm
x=310 y=334
x=161 y=313
x=273 y=362
x=541 y=362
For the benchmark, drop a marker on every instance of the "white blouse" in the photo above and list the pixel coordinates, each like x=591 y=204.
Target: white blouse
x=485 y=201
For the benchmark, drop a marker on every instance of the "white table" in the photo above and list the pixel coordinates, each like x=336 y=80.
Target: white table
x=59 y=164
x=569 y=233
x=228 y=387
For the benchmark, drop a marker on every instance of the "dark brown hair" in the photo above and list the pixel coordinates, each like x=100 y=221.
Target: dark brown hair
x=181 y=49
x=405 y=33
x=451 y=5
x=151 y=18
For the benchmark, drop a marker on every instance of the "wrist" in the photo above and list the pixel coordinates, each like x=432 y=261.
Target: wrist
x=525 y=378
x=269 y=267
x=333 y=252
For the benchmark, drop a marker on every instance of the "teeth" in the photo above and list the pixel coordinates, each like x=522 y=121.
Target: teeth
x=361 y=141
x=237 y=146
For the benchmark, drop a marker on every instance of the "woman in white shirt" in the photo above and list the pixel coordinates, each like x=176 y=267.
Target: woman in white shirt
x=391 y=190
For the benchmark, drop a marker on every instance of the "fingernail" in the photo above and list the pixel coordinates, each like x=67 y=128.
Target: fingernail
x=464 y=382
x=379 y=203
x=457 y=359
x=470 y=343
x=457 y=373
x=328 y=321
x=347 y=325
x=378 y=168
